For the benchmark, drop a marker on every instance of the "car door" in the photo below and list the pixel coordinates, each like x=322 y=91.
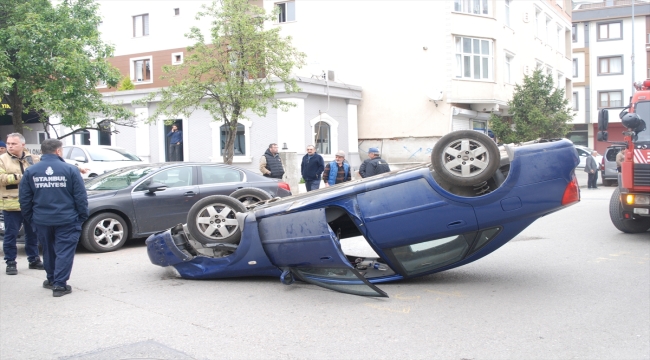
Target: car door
x=218 y=180
x=305 y=246
x=163 y=209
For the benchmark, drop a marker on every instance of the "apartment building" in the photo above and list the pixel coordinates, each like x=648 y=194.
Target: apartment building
x=603 y=74
x=429 y=67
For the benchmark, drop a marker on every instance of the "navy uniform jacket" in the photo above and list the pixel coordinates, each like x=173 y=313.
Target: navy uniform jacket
x=52 y=193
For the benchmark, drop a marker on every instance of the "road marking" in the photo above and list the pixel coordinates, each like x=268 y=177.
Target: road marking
x=453 y=294
x=405 y=310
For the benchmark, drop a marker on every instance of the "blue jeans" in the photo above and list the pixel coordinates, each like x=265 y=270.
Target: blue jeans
x=13 y=220
x=59 y=245
x=312 y=184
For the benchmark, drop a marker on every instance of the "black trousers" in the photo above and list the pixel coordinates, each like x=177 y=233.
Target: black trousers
x=591 y=181
x=175 y=151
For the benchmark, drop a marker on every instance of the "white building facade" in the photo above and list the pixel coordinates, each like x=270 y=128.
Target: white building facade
x=603 y=73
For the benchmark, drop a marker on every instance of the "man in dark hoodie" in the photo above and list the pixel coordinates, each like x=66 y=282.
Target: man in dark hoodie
x=270 y=163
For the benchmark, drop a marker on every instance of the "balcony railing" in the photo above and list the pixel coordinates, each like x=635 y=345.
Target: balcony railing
x=609 y=3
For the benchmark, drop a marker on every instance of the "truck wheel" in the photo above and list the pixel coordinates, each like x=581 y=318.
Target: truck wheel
x=212 y=220
x=465 y=157
x=251 y=195
x=616 y=214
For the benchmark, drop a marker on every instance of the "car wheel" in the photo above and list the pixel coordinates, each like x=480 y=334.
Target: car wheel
x=616 y=214
x=104 y=232
x=249 y=196
x=607 y=182
x=212 y=220
x=465 y=157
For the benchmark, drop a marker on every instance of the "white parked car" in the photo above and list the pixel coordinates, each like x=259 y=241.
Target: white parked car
x=583 y=153
x=99 y=159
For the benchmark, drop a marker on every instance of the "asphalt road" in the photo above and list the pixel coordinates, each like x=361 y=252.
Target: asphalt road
x=569 y=287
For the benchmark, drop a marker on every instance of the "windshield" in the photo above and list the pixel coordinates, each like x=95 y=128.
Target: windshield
x=111 y=154
x=643 y=110
x=118 y=179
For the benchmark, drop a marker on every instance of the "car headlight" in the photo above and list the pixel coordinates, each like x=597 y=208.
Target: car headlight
x=632 y=199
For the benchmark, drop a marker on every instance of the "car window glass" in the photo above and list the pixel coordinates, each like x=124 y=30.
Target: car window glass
x=429 y=255
x=218 y=175
x=611 y=154
x=77 y=152
x=117 y=179
x=66 y=152
x=176 y=177
x=111 y=154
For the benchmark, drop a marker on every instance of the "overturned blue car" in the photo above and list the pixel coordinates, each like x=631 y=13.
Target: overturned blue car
x=473 y=198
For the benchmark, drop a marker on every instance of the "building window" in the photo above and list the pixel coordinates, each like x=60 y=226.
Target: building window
x=575 y=100
x=141 y=70
x=612 y=65
x=574 y=32
x=538 y=21
x=560 y=81
x=286 y=11
x=473 y=58
x=476 y=7
x=610 y=31
x=547 y=30
x=507 y=4
x=322 y=138
x=508 y=69
x=41 y=136
x=549 y=70
x=240 y=139
x=141 y=25
x=575 y=67
x=177 y=11
x=177 y=58
x=558 y=38
x=607 y=99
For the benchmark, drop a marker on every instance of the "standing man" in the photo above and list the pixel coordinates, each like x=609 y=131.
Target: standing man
x=620 y=157
x=337 y=171
x=591 y=168
x=53 y=198
x=13 y=164
x=311 y=168
x=271 y=164
x=373 y=165
x=175 y=143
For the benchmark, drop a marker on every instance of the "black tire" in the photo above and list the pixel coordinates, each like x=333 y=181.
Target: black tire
x=478 y=161
x=212 y=220
x=616 y=214
x=104 y=232
x=249 y=196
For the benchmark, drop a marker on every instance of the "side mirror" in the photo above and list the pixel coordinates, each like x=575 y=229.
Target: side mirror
x=80 y=159
x=603 y=119
x=153 y=187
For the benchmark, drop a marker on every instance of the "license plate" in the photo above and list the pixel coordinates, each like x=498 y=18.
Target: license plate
x=641 y=211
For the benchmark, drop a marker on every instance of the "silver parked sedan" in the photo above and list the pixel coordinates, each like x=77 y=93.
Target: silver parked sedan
x=140 y=200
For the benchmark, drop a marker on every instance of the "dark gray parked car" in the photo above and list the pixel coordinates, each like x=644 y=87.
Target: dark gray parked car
x=140 y=200
x=608 y=172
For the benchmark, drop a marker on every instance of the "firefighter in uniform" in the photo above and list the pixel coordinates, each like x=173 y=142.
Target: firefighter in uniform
x=53 y=198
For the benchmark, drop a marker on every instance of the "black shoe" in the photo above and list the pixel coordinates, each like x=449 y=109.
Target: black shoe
x=58 y=291
x=37 y=265
x=11 y=268
x=48 y=285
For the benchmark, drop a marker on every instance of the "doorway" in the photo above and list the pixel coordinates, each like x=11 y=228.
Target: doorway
x=166 y=131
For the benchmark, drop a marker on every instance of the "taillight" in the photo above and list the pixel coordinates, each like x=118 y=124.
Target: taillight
x=284 y=185
x=571 y=193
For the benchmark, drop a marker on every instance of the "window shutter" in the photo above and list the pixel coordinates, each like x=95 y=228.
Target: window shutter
x=145 y=19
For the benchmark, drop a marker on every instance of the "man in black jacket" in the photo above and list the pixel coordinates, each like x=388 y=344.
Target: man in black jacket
x=311 y=168
x=374 y=165
x=271 y=164
x=53 y=199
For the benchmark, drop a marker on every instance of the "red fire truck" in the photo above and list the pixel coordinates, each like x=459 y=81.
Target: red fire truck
x=629 y=207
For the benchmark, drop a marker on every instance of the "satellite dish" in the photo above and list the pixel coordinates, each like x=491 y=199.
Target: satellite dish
x=435 y=94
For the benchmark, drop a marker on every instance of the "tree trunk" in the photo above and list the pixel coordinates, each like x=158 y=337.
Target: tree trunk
x=229 y=150
x=16 y=103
